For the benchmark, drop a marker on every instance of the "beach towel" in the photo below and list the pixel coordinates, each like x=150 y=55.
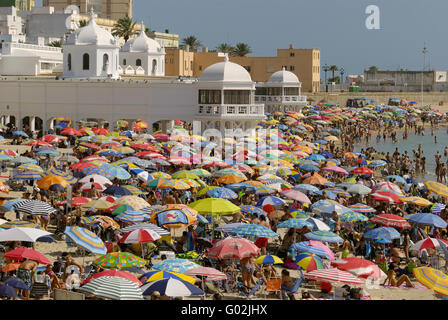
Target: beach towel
x=403 y=286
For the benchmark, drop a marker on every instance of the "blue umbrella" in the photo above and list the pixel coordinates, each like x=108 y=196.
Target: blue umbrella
x=223 y=193
x=7 y=291
x=397 y=178
x=304 y=247
x=172 y=287
x=48 y=239
x=20 y=133
x=116 y=171
x=308 y=188
x=428 y=219
x=25 y=175
x=175 y=265
x=295 y=223
x=16 y=283
x=437 y=208
x=117 y=191
x=229 y=227
x=275 y=201
x=248 y=209
x=308 y=167
x=202 y=219
x=388 y=233
x=316 y=157
x=110 y=153
x=86 y=239
x=324 y=236
x=48 y=152
x=326 y=154
x=238 y=186
x=254 y=230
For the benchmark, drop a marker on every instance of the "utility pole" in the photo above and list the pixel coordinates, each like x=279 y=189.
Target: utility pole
x=424 y=66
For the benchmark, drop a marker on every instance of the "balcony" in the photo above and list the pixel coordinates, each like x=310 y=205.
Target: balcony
x=280 y=99
x=249 y=111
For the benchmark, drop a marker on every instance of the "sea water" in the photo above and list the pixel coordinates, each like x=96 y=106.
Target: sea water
x=429 y=148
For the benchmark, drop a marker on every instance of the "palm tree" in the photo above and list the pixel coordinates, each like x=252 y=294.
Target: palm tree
x=57 y=43
x=241 y=50
x=192 y=42
x=82 y=23
x=373 y=69
x=333 y=69
x=225 y=48
x=124 y=28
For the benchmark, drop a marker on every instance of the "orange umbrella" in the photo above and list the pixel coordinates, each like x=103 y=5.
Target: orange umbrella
x=315 y=179
x=254 y=183
x=350 y=155
x=11 y=266
x=48 y=181
x=228 y=179
x=4 y=188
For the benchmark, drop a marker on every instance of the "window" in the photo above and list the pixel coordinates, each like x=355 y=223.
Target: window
x=200 y=68
x=291 y=68
x=276 y=91
x=292 y=54
x=210 y=96
x=236 y=96
x=285 y=67
x=105 y=62
x=138 y=63
x=191 y=65
x=154 y=66
x=124 y=62
x=86 y=61
x=69 y=62
x=294 y=91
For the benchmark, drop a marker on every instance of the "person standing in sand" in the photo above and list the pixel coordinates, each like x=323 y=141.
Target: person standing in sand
x=25 y=272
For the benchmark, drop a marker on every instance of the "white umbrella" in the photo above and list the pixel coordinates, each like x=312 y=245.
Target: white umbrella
x=22 y=234
x=319 y=225
x=96 y=178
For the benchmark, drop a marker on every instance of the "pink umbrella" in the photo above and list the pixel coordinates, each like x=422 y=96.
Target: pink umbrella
x=334 y=275
x=179 y=161
x=336 y=169
x=388 y=187
x=361 y=268
x=384 y=196
x=211 y=274
x=88 y=186
x=297 y=195
x=233 y=248
x=320 y=245
x=140 y=236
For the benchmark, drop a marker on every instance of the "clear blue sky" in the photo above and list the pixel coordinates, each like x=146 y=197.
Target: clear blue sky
x=336 y=27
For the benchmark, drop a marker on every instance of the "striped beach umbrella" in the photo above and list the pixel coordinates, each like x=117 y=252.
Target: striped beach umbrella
x=418 y=201
x=172 y=288
x=309 y=261
x=339 y=191
x=113 y=288
x=384 y=196
x=295 y=223
x=437 y=208
x=233 y=248
x=155 y=275
x=324 y=236
x=390 y=220
x=132 y=215
x=334 y=275
x=315 y=247
x=146 y=225
x=437 y=188
x=119 y=260
x=175 y=265
x=353 y=217
x=30 y=167
x=86 y=239
x=254 y=230
x=25 y=175
x=272 y=200
x=34 y=207
x=140 y=236
x=361 y=208
x=429 y=243
x=433 y=279
x=268 y=259
x=133 y=201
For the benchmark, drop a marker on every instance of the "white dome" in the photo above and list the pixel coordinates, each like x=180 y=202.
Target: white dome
x=284 y=77
x=91 y=34
x=225 y=72
x=142 y=43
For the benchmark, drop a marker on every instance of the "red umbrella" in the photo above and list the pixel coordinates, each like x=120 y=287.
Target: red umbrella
x=334 y=275
x=39 y=143
x=211 y=274
x=76 y=201
x=109 y=199
x=233 y=248
x=296 y=195
x=361 y=268
x=362 y=170
x=88 y=186
x=384 y=196
x=114 y=273
x=179 y=161
x=161 y=137
x=140 y=236
x=71 y=132
x=90 y=145
x=110 y=144
x=150 y=155
x=221 y=164
x=9 y=152
x=391 y=220
x=22 y=253
x=144 y=147
x=11 y=266
x=100 y=131
x=51 y=138
x=429 y=243
x=81 y=165
x=388 y=187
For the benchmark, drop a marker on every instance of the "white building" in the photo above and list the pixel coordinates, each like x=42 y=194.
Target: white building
x=226 y=98
x=142 y=56
x=11 y=28
x=281 y=93
x=91 y=52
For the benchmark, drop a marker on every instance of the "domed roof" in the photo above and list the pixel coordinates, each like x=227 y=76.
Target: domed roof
x=225 y=72
x=284 y=76
x=142 y=43
x=91 y=34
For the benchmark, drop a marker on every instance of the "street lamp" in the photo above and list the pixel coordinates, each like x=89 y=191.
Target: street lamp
x=326 y=68
x=342 y=76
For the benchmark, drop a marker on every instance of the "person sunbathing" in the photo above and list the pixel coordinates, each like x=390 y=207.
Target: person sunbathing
x=396 y=282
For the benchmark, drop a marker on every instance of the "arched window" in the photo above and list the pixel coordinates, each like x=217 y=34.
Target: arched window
x=138 y=63
x=86 y=61
x=105 y=62
x=124 y=62
x=69 y=62
x=154 y=66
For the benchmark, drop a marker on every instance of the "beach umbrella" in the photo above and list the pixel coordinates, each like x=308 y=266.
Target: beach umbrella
x=140 y=236
x=360 y=267
x=114 y=273
x=172 y=288
x=85 y=239
x=390 y=220
x=338 y=191
x=27 y=253
x=174 y=216
x=335 y=169
x=328 y=207
x=396 y=178
x=428 y=219
x=119 y=260
x=223 y=193
x=31 y=167
x=132 y=201
x=304 y=187
x=362 y=170
x=228 y=227
x=254 y=230
x=96 y=179
x=113 y=288
x=384 y=196
x=145 y=225
x=418 y=201
x=324 y=236
x=97 y=205
x=7 y=291
x=18 y=224
x=296 y=195
x=34 y=207
x=132 y=215
x=334 y=275
x=432 y=279
x=296 y=213
x=16 y=283
x=315 y=247
x=233 y=248
x=175 y=265
x=274 y=201
x=22 y=234
x=315 y=179
x=51 y=180
x=250 y=210
x=359 y=189
x=309 y=261
x=20 y=133
x=437 y=188
x=388 y=233
x=268 y=259
x=437 y=208
x=156 y=275
x=388 y=187
x=214 y=206
x=318 y=224
x=361 y=208
x=117 y=191
x=429 y=243
x=295 y=223
x=353 y=217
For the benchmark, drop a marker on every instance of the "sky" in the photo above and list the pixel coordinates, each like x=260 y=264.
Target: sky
x=336 y=27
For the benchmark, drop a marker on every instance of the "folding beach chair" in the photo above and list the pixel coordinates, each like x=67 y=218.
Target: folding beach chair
x=273 y=285
x=253 y=291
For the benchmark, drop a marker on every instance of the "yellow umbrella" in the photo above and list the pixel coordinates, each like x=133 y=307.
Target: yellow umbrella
x=421 y=202
x=331 y=138
x=433 y=279
x=437 y=188
x=268 y=259
x=162 y=175
x=97 y=204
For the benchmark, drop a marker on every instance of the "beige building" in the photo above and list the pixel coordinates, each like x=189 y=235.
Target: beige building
x=179 y=62
x=109 y=9
x=304 y=63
